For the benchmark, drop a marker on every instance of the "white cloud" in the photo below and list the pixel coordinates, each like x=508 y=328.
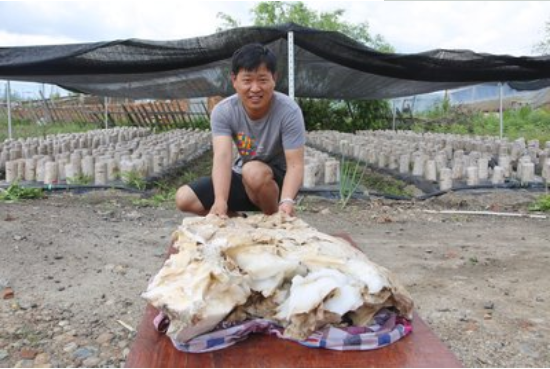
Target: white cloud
x=498 y=27
x=17 y=39
x=511 y=27
x=91 y=21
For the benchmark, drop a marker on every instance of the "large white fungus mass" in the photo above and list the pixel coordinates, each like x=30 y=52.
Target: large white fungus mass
x=272 y=267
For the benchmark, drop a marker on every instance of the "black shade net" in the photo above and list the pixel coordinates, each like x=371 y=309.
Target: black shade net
x=327 y=65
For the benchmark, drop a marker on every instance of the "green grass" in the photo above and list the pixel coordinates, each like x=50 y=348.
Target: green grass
x=542 y=204
x=134 y=179
x=164 y=191
x=161 y=197
x=385 y=184
x=532 y=124
x=80 y=179
x=24 y=129
x=353 y=174
x=15 y=193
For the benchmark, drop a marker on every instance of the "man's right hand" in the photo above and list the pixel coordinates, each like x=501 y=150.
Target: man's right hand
x=219 y=208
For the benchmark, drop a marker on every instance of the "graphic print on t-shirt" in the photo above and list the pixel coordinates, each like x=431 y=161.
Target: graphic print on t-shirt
x=246 y=144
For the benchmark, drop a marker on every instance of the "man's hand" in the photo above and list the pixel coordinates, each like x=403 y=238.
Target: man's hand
x=287 y=208
x=219 y=208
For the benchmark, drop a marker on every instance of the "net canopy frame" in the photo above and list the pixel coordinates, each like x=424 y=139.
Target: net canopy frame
x=327 y=65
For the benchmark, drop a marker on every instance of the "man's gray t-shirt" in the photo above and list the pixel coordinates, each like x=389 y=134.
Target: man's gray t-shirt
x=264 y=139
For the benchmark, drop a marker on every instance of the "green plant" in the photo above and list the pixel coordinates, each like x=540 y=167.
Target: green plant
x=188 y=177
x=80 y=179
x=27 y=128
x=524 y=122
x=385 y=184
x=542 y=204
x=344 y=115
x=15 y=192
x=134 y=179
x=158 y=199
x=351 y=174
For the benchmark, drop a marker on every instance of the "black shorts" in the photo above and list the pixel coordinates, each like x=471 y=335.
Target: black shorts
x=238 y=199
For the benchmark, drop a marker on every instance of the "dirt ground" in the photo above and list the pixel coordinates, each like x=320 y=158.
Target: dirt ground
x=78 y=263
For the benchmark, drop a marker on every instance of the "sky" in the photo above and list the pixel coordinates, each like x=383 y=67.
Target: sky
x=496 y=27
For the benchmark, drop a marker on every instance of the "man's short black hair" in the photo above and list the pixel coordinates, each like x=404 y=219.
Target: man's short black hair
x=251 y=56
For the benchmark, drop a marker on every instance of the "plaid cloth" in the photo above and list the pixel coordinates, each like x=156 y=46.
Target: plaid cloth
x=388 y=327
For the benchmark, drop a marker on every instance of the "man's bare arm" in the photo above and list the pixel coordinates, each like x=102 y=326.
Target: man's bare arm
x=221 y=174
x=293 y=179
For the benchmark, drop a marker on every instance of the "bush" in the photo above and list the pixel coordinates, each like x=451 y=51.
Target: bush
x=345 y=115
x=524 y=122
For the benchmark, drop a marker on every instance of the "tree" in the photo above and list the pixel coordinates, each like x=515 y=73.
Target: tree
x=228 y=22
x=543 y=47
x=268 y=13
x=348 y=115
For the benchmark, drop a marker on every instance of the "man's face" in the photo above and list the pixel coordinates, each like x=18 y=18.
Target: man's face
x=255 y=88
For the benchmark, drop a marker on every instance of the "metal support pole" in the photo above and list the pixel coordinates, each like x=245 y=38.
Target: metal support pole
x=393 y=113
x=8 y=101
x=500 y=110
x=291 y=64
x=106 y=116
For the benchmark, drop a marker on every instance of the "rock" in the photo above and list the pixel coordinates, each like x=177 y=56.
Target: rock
x=104 y=338
x=64 y=338
x=84 y=353
x=9 y=218
x=121 y=269
x=528 y=349
x=24 y=364
x=26 y=305
x=28 y=354
x=325 y=211
x=42 y=359
x=106 y=355
x=133 y=215
x=70 y=347
x=489 y=305
x=91 y=362
x=384 y=219
x=7 y=293
x=3 y=354
x=19 y=238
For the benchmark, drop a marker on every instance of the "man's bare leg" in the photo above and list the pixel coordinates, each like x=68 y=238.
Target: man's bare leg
x=187 y=201
x=260 y=186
